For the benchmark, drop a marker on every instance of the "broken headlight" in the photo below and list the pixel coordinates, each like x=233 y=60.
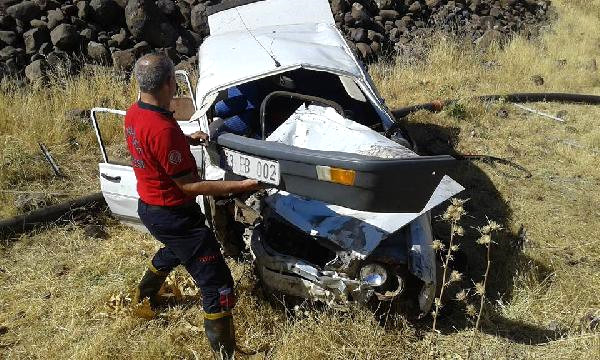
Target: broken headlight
x=373 y=274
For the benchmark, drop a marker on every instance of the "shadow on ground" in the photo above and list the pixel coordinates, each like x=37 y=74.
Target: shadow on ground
x=485 y=201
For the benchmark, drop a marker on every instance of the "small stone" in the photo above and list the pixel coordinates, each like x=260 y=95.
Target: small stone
x=359 y=13
x=537 y=80
x=385 y=4
x=88 y=34
x=69 y=10
x=55 y=17
x=123 y=59
x=36 y=71
x=432 y=3
x=24 y=11
x=502 y=113
x=65 y=37
x=199 y=19
x=95 y=232
x=562 y=114
x=391 y=15
x=98 y=52
x=121 y=38
x=34 y=38
x=84 y=10
x=46 y=48
x=415 y=7
x=141 y=48
x=35 y=23
x=8 y=38
x=7 y=52
x=364 y=50
x=339 y=6
x=3 y=329
x=591 y=65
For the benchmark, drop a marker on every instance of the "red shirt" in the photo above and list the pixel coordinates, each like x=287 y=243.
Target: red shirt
x=160 y=153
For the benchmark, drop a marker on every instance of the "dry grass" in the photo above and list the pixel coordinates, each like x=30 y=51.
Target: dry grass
x=54 y=283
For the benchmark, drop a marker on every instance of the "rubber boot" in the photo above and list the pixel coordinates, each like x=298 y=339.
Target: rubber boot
x=149 y=286
x=221 y=335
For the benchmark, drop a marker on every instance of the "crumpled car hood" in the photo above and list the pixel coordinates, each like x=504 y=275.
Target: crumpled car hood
x=357 y=232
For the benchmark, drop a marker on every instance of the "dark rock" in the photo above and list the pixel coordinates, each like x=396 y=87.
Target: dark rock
x=359 y=35
x=36 y=56
x=88 y=34
x=112 y=45
x=199 y=19
x=46 y=48
x=35 y=23
x=414 y=7
x=389 y=15
x=123 y=59
x=141 y=48
x=106 y=12
x=146 y=22
x=84 y=10
x=502 y=113
x=359 y=13
x=537 y=80
x=95 y=232
x=3 y=330
x=339 y=6
x=186 y=13
x=57 y=59
x=8 y=52
x=65 y=37
x=385 y=4
x=98 y=52
x=185 y=46
x=36 y=71
x=7 y=22
x=375 y=47
x=69 y=10
x=24 y=11
x=8 y=38
x=121 y=39
x=34 y=38
x=168 y=8
x=488 y=38
x=364 y=50
x=55 y=17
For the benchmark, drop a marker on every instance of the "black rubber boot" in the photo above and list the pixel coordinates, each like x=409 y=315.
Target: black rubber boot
x=221 y=336
x=149 y=287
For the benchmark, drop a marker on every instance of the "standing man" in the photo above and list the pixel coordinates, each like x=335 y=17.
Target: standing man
x=168 y=183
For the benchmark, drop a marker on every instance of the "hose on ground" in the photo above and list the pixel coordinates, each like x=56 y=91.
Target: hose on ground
x=438 y=105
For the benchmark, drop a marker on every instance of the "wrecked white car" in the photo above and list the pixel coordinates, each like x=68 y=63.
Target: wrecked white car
x=285 y=100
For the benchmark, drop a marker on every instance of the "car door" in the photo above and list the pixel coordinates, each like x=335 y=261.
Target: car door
x=117 y=179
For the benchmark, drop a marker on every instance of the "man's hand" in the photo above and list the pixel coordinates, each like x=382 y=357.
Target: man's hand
x=250 y=185
x=197 y=138
x=190 y=185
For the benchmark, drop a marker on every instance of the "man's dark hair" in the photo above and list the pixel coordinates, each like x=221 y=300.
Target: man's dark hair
x=151 y=72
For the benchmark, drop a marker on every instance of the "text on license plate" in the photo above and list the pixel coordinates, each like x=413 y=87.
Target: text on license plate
x=253 y=167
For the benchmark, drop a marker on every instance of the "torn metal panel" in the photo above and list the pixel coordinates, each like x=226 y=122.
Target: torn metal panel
x=322 y=128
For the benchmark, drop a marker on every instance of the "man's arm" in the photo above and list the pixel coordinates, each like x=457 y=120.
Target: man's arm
x=190 y=186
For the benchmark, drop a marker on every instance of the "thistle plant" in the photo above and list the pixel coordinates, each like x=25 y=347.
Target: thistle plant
x=452 y=215
x=480 y=287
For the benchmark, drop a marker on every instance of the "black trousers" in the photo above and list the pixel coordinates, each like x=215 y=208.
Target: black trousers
x=188 y=242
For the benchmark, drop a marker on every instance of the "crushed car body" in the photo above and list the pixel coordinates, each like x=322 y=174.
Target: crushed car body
x=285 y=100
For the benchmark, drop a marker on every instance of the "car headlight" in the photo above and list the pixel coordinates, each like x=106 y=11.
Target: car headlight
x=373 y=274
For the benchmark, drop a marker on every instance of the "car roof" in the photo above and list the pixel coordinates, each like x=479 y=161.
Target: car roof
x=262 y=38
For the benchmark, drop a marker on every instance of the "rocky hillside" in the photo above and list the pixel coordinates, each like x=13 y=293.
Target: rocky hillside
x=39 y=34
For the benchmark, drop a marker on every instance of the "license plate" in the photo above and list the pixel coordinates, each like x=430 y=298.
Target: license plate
x=253 y=167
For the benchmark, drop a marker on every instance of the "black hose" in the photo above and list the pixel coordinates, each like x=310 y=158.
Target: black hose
x=21 y=223
x=436 y=106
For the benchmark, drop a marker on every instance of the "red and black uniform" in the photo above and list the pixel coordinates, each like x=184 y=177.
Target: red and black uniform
x=161 y=153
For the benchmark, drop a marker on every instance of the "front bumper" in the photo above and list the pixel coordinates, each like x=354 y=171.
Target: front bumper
x=299 y=278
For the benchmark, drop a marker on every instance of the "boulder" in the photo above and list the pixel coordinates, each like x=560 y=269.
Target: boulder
x=364 y=50
x=35 y=23
x=98 y=52
x=55 y=17
x=339 y=6
x=121 y=39
x=34 y=38
x=7 y=52
x=123 y=59
x=7 y=22
x=24 y=11
x=88 y=34
x=199 y=19
x=146 y=22
x=385 y=4
x=141 y=48
x=106 y=12
x=186 y=12
x=65 y=37
x=8 y=38
x=36 y=71
x=359 y=13
x=84 y=10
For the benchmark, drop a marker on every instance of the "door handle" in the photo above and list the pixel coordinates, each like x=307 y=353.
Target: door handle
x=111 y=178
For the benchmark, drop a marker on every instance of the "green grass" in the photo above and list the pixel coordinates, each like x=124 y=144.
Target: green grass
x=545 y=276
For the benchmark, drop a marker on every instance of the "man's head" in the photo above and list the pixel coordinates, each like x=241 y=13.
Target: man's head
x=155 y=75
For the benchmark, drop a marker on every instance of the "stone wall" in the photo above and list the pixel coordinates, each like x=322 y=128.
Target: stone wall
x=39 y=34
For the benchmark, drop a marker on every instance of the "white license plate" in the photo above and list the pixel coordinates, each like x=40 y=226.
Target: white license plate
x=253 y=167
